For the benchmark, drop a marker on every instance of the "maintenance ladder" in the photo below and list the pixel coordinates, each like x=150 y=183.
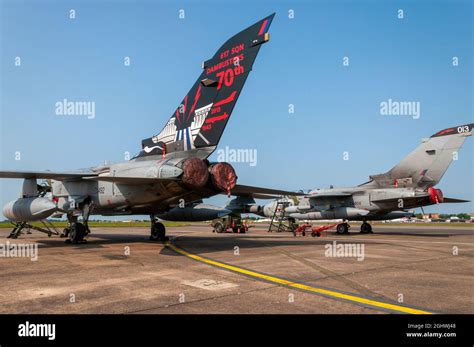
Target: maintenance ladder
x=279 y=222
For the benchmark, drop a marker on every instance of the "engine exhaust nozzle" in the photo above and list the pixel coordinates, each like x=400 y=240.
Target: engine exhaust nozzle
x=223 y=177
x=195 y=172
x=436 y=195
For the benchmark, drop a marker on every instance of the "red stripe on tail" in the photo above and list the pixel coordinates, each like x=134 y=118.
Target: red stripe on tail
x=262 y=28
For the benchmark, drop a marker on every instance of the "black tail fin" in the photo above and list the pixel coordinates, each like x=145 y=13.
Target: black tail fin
x=199 y=121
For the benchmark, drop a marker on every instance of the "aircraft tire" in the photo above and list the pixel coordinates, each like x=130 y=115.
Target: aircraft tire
x=342 y=228
x=77 y=231
x=219 y=227
x=158 y=232
x=366 y=228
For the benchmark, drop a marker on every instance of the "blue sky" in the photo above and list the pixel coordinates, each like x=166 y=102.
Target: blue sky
x=336 y=106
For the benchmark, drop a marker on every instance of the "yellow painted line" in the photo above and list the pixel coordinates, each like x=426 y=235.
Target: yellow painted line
x=283 y=282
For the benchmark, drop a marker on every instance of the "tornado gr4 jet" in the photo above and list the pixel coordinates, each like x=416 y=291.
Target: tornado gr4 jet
x=171 y=174
x=409 y=184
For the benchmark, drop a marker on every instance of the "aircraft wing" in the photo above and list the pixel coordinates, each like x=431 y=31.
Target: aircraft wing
x=419 y=199
x=259 y=192
x=329 y=195
x=130 y=179
x=239 y=190
x=46 y=174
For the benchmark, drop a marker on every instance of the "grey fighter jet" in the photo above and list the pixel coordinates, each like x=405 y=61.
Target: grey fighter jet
x=409 y=184
x=171 y=175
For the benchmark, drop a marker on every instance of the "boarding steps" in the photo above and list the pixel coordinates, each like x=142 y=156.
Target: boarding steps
x=279 y=222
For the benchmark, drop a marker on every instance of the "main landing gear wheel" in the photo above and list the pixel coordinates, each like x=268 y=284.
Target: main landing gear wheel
x=366 y=228
x=158 y=232
x=342 y=228
x=219 y=227
x=76 y=234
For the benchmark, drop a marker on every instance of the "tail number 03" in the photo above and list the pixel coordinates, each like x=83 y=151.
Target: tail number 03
x=463 y=129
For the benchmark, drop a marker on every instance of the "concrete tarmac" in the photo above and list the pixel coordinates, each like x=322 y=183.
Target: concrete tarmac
x=395 y=270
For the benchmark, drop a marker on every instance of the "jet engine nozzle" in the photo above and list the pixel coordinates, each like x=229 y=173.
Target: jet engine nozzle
x=223 y=177
x=29 y=209
x=436 y=195
x=195 y=172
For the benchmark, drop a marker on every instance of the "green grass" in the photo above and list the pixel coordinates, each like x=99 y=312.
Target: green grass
x=112 y=224
x=441 y=224
x=403 y=225
x=414 y=225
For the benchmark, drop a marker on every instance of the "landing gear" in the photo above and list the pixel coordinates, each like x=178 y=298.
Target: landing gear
x=158 y=232
x=86 y=212
x=219 y=227
x=65 y=232
x=343 y=228
x=366 y=228
x=77 y=232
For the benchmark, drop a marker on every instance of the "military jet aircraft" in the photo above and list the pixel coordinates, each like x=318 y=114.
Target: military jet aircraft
x=171 y=175
x=390 y=195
